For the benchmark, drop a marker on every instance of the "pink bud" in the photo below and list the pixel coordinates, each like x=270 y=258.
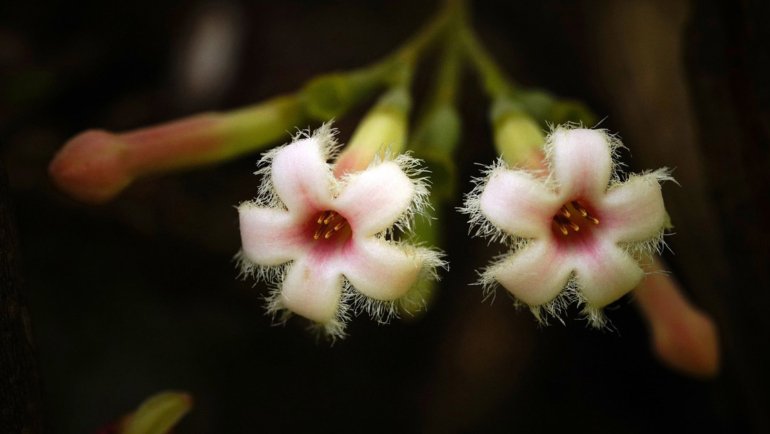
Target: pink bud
x=96 y=165
x=683 y=337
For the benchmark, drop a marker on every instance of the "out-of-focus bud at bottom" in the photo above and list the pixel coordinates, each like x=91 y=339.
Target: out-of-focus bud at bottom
x=156 y=415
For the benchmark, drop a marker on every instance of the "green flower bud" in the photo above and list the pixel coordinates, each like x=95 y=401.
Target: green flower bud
x=518 y=137
x=158 y=414
x=434 y=141
x=331 y=96
x=383 y=129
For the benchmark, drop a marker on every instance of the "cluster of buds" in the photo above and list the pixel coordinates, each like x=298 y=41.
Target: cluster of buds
x=340 y=230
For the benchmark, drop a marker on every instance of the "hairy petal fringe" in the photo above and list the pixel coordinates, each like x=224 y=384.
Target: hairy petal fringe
x=383 y=311
x=479 y=226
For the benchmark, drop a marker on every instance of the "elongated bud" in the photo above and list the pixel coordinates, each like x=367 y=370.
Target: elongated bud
x=97 y=165
x=383 y=129
x=518 y=137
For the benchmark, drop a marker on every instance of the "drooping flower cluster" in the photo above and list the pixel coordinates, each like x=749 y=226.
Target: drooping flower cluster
x=323 y=230
x=326 y=244
x=577 y=232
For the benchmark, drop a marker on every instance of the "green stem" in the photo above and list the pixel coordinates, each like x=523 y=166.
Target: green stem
x=435 y=139
x=330 y=96
x=448 y=76
x=496 y=83
x=413 y=48
x=540 y=105
x=437 y=131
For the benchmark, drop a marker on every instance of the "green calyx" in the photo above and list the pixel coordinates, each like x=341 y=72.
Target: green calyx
x=332 y=95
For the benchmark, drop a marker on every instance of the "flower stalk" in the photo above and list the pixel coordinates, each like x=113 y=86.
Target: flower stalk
x=437 y=131
x=435 y=139
x=505 y=93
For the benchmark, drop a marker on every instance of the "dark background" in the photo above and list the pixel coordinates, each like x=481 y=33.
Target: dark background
x=139 y=295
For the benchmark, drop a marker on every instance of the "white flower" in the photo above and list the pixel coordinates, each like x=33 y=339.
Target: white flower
x=326 y=244
x=577 y=232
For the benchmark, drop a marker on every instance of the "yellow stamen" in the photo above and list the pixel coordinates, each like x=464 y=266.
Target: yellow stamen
x=579 y=208
x=329 y=223
x=570 y=217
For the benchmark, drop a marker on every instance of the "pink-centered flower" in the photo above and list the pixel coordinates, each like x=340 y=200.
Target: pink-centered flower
x=577 y=231
x=326 y=244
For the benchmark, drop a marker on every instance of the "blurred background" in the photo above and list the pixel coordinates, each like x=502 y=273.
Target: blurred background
x=140 y=295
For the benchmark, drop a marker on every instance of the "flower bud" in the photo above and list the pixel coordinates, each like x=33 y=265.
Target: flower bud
x=518 y=137
x=434 y=141
x=683 y=336
x=96 y=165
x=383 y=129
x=157 y=415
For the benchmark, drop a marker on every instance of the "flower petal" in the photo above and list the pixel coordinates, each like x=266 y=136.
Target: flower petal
x=301 y=176
x=634 y=210
x=518 y=204
x=372 y=200
x=381 y=270
x=312 y=289
x=581 y=161
x=269 y=236
x=535 y=275
x=605 y=274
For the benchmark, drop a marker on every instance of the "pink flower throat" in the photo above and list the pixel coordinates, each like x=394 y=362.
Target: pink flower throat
x=573 y=220
x=330 y=226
